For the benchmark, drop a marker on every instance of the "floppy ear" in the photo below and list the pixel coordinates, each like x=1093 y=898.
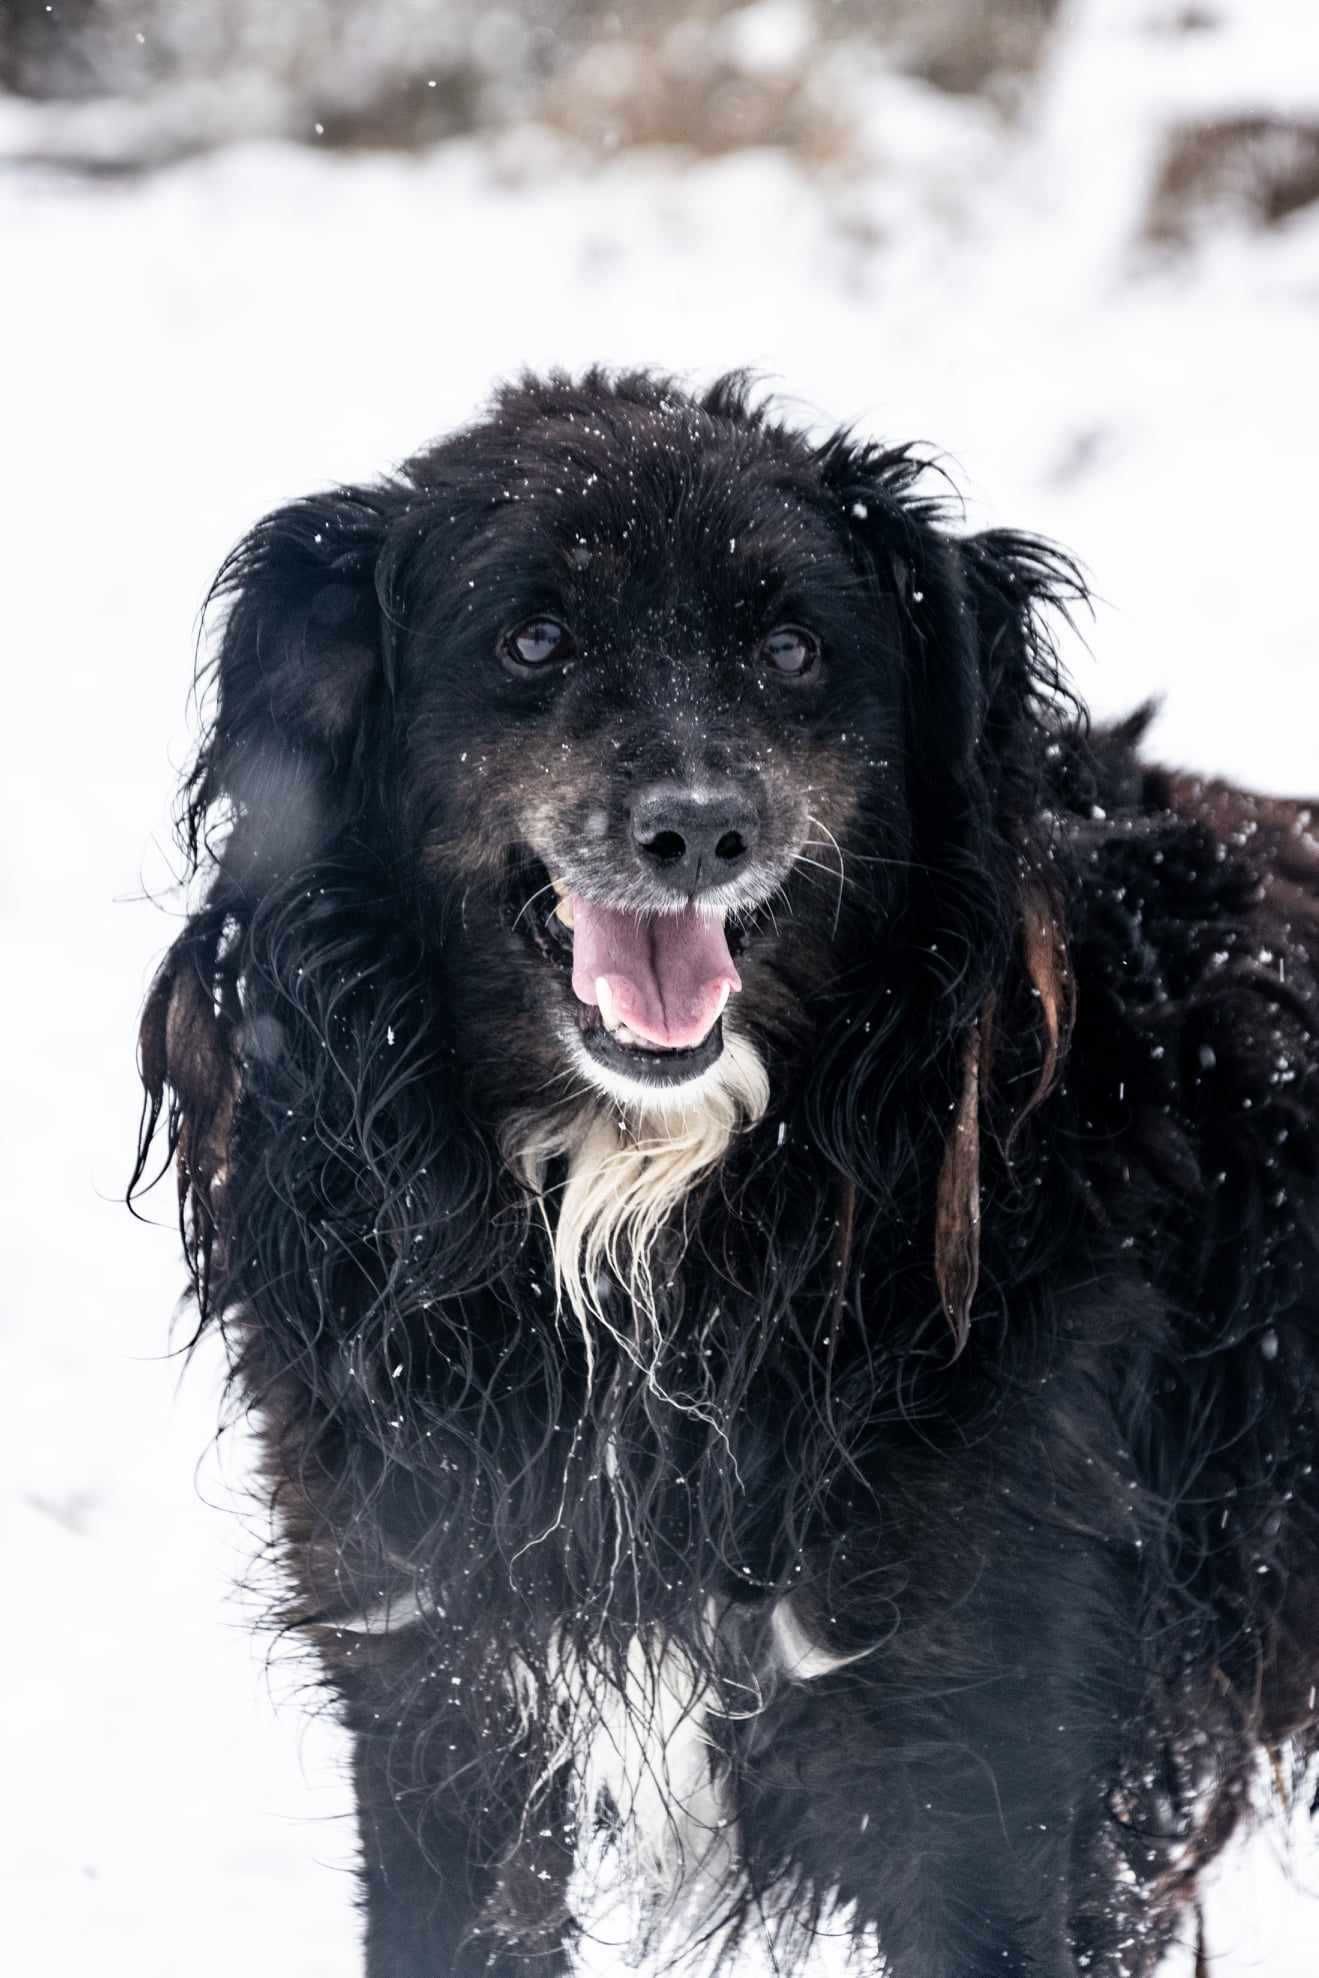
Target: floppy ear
x=304 y=658
x=990 y=730
x=1006 y=587
x=983 y=677
x=1029 y=739
x=985 y=699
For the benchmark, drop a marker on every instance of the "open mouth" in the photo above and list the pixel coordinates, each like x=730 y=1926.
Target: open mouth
x=648 y=989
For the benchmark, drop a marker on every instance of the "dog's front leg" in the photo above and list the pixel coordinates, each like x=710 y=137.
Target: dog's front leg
x=457 y=1881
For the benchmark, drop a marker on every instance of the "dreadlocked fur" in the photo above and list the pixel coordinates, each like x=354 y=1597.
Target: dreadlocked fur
x=881 y=1489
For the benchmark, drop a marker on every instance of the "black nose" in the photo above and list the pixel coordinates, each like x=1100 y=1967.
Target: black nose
x=694 y=838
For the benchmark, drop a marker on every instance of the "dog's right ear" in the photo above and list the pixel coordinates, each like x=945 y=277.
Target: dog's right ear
x=304 y=659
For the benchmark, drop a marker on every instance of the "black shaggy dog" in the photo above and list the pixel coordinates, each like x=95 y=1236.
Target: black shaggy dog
x=763 y=1187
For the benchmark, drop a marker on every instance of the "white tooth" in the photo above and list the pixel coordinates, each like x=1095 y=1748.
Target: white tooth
x=563 y=911
x=561 y=887
x=604 y=995
x=723 y=998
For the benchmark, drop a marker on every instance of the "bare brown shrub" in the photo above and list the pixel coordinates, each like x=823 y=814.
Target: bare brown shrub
x=1258 y=169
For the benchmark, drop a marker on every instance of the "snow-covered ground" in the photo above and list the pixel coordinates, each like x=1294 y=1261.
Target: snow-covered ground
x=182 y=352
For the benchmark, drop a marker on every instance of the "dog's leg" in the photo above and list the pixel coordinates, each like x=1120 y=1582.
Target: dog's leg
x=453 y=1884
x=946 y=1783
x=907 y=1818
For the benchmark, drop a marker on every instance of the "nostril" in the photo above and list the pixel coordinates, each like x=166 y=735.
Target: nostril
x=666 y=846
x=691 y=839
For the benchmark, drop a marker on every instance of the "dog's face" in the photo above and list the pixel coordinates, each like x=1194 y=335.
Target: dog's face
x=657 y=714
x=643 y=694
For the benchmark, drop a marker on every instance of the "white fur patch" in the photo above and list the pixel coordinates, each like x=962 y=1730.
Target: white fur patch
x=656 y=1850
x=648 y=1755
x=385 y=1617
x=655 y=1838
x=628 y=1170
x=796 y=1656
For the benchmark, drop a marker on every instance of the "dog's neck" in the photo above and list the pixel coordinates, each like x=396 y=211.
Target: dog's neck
x=629 y=1169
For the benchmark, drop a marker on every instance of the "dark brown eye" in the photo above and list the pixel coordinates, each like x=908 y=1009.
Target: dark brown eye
x=540 y=642
x=791 y=651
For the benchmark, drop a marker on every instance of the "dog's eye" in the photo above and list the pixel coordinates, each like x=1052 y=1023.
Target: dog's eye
x=792 y=651
x=540 y=642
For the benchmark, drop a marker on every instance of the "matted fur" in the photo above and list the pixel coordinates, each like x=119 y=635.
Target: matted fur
x=876 y=1485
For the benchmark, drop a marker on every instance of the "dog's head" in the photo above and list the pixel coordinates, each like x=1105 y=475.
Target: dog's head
x=661 y=714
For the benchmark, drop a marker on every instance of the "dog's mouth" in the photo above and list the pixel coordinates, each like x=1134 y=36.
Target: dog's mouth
x=648 y=988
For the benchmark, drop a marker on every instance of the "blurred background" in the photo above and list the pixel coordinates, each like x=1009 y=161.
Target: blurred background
x=249 y=250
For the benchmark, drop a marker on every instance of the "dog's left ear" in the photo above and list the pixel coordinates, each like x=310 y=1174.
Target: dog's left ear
x=972 y=616
x=1001 y=593
x=993 y=644
x=986 y=706
x=984 y=694
x=1004 y=589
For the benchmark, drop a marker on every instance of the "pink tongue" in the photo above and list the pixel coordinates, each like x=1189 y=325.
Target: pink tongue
x=668 y=972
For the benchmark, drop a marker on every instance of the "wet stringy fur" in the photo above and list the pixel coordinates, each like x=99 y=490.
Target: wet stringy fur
x=952 y=1527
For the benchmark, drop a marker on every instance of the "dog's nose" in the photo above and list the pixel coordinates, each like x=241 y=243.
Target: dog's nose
x=694 y=838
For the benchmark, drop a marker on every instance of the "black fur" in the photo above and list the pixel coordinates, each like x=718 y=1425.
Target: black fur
x=993 y=1344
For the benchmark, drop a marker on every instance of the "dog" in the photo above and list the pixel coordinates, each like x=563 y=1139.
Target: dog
x=761 y=1180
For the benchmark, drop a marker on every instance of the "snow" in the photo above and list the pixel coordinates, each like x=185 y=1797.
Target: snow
x=186 y=350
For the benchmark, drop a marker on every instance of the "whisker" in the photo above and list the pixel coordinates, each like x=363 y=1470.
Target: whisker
x=549 y=888
x=830 y=872
x=870 y=858
x=838 y=851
